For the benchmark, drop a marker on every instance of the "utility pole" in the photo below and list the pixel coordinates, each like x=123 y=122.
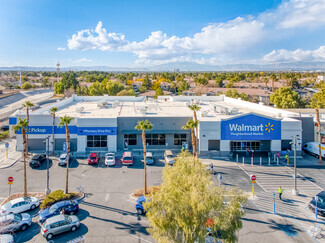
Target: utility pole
x=295 y=139
x=58 y=70
x=47 y=143
x=20 y=77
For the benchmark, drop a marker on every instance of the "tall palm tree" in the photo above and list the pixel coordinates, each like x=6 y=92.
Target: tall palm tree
x=53 y=110
x=191 y=125
x=144 y=126
x=23 y=125
x=65 y=121
x=28 y=106
x=196 y=108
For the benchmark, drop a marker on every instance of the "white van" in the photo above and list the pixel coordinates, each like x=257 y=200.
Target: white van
x=313 y=149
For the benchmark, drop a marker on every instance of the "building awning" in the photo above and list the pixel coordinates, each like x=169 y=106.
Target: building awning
x=157 y=131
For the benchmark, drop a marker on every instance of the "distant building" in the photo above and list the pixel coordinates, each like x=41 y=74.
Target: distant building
x=320 y=78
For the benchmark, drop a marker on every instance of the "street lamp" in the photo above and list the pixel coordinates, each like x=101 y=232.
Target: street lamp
x=295 y=142
x=47 y=143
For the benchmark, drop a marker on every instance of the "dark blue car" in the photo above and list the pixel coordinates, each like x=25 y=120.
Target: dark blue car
x=139 y=206
x=70 y=207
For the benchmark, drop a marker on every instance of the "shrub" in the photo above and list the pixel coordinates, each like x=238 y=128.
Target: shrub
x=26 y=85
x=140 y=192
x=57 y=196
x=4 y=135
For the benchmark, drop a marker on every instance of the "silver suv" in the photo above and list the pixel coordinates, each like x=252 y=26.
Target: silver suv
x=14 y=222
x=59 y=224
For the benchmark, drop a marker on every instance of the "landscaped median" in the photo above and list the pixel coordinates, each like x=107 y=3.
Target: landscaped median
x=140 y=192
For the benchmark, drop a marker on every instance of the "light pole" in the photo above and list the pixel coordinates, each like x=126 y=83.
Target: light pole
x=295 y=139
x=47 y=143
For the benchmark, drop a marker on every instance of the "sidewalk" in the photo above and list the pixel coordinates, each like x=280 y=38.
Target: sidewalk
x=13 y=155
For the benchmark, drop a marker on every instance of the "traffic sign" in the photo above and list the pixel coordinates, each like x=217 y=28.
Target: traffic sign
x=6 y=145
x=253 y=177
x=10 y=179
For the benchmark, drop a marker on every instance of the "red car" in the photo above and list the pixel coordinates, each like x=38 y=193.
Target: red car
x=127 y=158
x=93 y=159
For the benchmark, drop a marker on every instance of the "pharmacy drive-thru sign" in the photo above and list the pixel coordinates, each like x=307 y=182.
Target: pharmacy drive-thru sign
x=251 y=127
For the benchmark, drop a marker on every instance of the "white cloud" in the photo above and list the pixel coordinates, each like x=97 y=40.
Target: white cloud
x=298 y=55
x=60 y=48
x=83 y=59
x=223 y=41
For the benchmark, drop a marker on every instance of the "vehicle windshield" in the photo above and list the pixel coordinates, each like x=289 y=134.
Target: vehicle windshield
x=127 y=158
x=109 y=157
x=66 y=217
x=169 y=156
x=27 y=199
x=92 y=157
x=7 y=205
x=53 y=208
x=149 y=157
x=35 y=157
x=63 y=156
x=17 y=217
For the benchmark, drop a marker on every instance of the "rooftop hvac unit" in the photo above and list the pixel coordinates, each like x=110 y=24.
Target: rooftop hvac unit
x=143 y=110
x=80 y=109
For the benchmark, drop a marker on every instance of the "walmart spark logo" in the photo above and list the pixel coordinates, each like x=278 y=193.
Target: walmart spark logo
x=269 y=127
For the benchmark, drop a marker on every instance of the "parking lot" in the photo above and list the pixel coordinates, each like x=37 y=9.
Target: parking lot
x=107 y=212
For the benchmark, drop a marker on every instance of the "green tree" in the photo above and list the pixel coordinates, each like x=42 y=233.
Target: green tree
x=65 y=121
x=274 y=79
x=200 y=81
x=114 y=87
x=182 y=86
x=125 y=92
x=191 y=125
x=219 y=82
x=158 y=92
x=53 y=110
x=146 y=83
x=196 y=108
x=58 y=88
x=23 y=126
x=95 y=89
x=188 y=199
x=26 y=85
x=69 y=81
x=318 y=102
x=232 y=93
x=285 y=97
x=144 y=126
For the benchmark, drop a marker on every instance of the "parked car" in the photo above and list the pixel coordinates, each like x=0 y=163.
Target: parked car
x=169 y=157
x=110 y=159
x=14 y=222
x=149 y=158
x=20 y=205
x=63 y=159
x=6 y=238
x=139 y=205
x=313 y=149
x=70 y=207
x=93 y=159
x=320 y=204
x=37 y=160
x=59 y=224
x=127 y=158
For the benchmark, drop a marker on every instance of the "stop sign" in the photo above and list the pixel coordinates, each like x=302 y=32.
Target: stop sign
x=253 y=177
x=10 y=179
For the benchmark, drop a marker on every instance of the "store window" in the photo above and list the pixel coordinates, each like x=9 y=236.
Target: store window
x=130 y=139
x=97 y=141
x=179 y=139
x=156 y=139
x=244 y=145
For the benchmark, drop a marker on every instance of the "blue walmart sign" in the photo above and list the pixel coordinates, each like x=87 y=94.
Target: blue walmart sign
x=96 y=130
x=251 y=127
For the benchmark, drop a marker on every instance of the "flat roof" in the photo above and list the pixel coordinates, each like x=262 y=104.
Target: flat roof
x=213 y=108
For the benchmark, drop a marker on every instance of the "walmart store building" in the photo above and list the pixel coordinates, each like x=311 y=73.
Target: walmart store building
x=105 y=123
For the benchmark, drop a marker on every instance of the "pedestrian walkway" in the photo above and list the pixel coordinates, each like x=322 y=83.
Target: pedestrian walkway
x=13 y=155
x=269 y=178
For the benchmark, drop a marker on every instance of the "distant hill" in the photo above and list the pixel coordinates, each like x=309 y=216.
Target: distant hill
x=185 y=67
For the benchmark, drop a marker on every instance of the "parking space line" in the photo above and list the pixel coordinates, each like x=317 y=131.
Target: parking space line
x=140 y=238
x=250 y=176
x=298 y=174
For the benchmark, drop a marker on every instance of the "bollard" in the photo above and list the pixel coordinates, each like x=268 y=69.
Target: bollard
x=260 y=160
x=243 y=160
x=274 y=157
x=277 y=161
x=236 y=157
x=252 y=163
x=274 y=195
x=269 y=161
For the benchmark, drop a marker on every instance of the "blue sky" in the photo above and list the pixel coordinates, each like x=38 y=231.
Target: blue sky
x=135 y=33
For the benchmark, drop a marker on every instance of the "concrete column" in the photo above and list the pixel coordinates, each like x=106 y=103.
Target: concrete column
x=112 y=143
x=81 y=143
x=275 y=145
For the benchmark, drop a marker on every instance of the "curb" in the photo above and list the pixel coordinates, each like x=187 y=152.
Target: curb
x=11 y=164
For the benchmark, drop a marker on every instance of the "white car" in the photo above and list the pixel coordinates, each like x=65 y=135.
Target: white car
x=109 y=159
x=6 y=238
x=19 y=205
x=63 y=159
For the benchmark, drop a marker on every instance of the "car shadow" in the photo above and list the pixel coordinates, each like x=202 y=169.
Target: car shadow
x=75 y=236
x=82 y=214
x=44 y=165
x=74 y=163
x=29 y=234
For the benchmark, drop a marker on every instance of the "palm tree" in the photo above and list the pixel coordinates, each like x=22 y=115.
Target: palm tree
x=191 y=125
x=53 y=110
x=28 y=106
x=144 y=126
x=196 y=108
x=65 y=121
x=23 y=125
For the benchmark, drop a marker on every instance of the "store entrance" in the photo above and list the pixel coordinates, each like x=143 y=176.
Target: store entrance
x=244 y=145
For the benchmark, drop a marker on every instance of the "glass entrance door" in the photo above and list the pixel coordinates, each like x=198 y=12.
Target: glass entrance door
x=244 y=145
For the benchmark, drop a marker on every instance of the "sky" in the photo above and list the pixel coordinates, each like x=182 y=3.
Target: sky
x=128 y=33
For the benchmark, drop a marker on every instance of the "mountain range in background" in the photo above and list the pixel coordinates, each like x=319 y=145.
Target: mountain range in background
x=185 y=67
